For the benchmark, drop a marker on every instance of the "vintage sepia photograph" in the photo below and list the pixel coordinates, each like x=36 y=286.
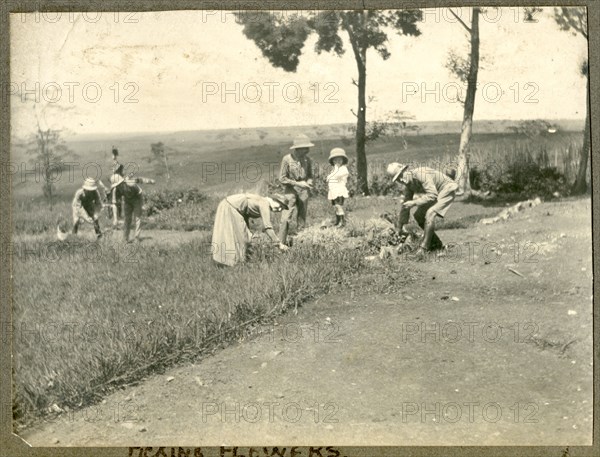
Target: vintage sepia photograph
x=299 y=229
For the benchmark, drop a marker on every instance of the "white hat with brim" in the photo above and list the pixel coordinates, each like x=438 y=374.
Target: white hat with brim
x=338 y=152
x=301 y=141
x=395 y=169
x=90 y=184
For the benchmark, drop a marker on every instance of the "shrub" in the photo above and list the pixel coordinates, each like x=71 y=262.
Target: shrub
x=160 y=200
x=521 y=178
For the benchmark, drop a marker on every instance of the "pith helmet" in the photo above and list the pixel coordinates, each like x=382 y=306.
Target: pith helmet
x=338 y=152
x=301 y=141
x=90 y=184
x=395 y=169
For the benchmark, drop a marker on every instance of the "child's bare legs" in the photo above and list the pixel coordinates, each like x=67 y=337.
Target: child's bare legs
x=340 y=215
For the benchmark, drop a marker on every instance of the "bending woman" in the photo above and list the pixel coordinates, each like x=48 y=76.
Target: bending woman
x=231 y=234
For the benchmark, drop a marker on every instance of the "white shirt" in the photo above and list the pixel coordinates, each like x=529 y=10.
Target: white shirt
x=337 y=182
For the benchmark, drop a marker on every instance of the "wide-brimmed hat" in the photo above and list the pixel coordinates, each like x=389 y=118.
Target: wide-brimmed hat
x=338 y=152
x=301 y=141
x=395 y=169
x=90 y=184
x=115 y=180
x=282 y=200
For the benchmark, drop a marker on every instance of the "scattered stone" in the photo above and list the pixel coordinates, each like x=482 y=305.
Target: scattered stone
x=572 y=312
x=445 y=297
x=143 y=429
x=56 y=409
x=170 y=378
x=263 y=365
x=55 y=441
x=455 y=299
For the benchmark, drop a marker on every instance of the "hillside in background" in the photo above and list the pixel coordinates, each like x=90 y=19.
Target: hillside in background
x=270 y=135
x=238 y=159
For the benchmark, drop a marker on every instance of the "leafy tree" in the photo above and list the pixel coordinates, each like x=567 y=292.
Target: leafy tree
x=48 y=151
x=281 y=41
x=466 y=70
x=574 y=20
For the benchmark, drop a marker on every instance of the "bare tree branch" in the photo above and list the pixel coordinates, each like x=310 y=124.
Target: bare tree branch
x=460 y=20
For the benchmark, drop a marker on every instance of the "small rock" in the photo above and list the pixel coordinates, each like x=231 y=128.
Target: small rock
x=572 y=312
x=143 y=429
x=170 y=378
x=56 y=409
x=583 y=269
x=563 y=235
x=55 y=441
x=264 y=364
x=455 y=299
x=453 y=272
x=445 y=297
x=198 y=381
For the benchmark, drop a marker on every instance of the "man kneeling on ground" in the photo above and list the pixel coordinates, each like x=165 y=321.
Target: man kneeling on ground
x=439 y=193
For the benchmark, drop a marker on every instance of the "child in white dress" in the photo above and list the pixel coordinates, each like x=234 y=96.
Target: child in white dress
x=337 y=184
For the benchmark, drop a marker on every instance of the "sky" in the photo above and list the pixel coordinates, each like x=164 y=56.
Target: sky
x=192 y=70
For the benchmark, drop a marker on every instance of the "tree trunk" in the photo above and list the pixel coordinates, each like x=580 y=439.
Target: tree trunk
x=580 y=185
x=360 y=55
x=464 y=185
x=361 y=122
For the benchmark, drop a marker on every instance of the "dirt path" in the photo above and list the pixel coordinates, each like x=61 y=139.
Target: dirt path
x=508 y=363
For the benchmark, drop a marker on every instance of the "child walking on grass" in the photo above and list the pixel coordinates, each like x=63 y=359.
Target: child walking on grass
x=337 y=184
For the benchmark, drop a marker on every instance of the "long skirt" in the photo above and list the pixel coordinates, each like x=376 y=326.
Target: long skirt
x=231 y=235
